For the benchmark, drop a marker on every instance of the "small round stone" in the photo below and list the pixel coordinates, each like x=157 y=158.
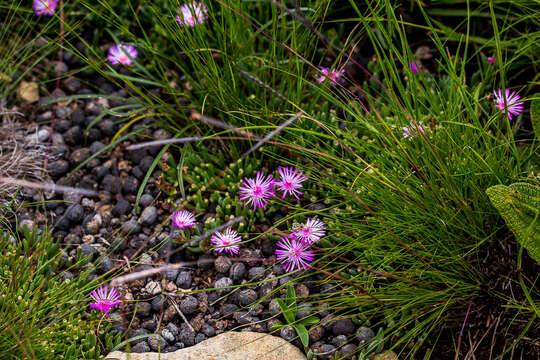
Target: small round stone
x=183 y=280
x=122 y=207
x=199 y=337
x=222 y=283
x=316 y=333
x=247 y=296
x=96 y=146
x=326 y=351
x=131 y=226
x=364 y=334
x=143 y=308
x=223 y=264
x=141 y=347
x=237 y=271
x=304 y=310
x=58 y=168
x=149 y=216
x=157 y=342
x=208 y=330
x=343 y=327
x=173 y=329
x=106 y=264
x=287 y=332
x=159 y=303
x=228 y=309
x=186 y=336
x=339 y=340
x=167 y=335
x=145 y=200
x=75 y=213
x=255 y=272
x=88 y=250
x=205 y=261
x=347 y=351
x=189 y=305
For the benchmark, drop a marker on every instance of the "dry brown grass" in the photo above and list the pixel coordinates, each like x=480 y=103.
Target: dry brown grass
x=19 y=157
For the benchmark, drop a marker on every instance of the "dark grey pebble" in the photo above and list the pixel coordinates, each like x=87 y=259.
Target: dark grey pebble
x=150 y=324
x=304 y=310
x=173 y=329
x=171 y=274
x=77 y=117
x=223 y=283
x=167 y=335
x=228 y=309
x=364 y=334
x=237 y=271
x=246 y=296
x=99 y=172
x=130 y=186
x=136 y=333
x=105 y=264
x=122 y=207
x=145 y=200
x=222 y=264
x=145 y=163
x=186 y=335
x=254 y=272
x=189 y=305
x=287 y=332
x=141 y=347
x=79 y=155
x=159 y=303
x=75 y=213
x=343 y=327
x=325 y=351
x=157 y=342
x=108 y=127
x=273 y=307
x=183 y=280
x=111 y=183
x=199 y=337
x=143 y=308
x=96 y=146
x=73 y=136
x=347 y=351
x=131 y=226
x=208 y=330
x=149 y=216
x=88 y=250
x=58 y=168
x=339 y=340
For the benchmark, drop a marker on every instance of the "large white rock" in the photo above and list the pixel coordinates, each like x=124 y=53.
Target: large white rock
x=227 y=346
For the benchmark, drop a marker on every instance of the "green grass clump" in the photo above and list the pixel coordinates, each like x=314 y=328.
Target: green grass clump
x=42 y=316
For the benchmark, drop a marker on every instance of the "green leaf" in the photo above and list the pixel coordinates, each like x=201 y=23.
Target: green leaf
x=535 y=114
x=287 y=311
x=519 y=205
x=310 y=320
x=302 y=333
x=291 y=295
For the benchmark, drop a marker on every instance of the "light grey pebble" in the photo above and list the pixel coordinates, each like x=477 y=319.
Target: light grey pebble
x=149 y=216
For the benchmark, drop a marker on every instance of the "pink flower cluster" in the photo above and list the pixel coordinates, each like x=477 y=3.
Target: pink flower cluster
x=105 y=299
x=45 y=7
x=332 y=75
x=256 y=192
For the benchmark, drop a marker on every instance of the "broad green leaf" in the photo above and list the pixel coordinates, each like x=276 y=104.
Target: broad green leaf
x=291 y=296
x=287 y=311
x=310 y=320
x=519 y=205
x=302 y=333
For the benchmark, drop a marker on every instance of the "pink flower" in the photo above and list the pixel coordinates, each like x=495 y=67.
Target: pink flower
x=227 y=241
x=105 y=299
x=312 y=231
x=514 y=106
x=415 y=66
x=290 y=181
x=491 y=60
x=409 y=132
x=45 y=7
x=192 y=14
x=334 y=77
x=183 y=219
x=257 y=190
x=293 y=253
x=123 y=54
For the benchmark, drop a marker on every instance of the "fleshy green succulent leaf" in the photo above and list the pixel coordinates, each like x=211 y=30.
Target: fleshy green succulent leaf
x=535 y=114
x=302 y=333
x=519 y=205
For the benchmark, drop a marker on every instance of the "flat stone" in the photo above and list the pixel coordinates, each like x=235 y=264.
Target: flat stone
x=227 y=346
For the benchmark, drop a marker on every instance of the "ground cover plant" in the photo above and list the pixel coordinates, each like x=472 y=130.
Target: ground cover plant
x=407 y=130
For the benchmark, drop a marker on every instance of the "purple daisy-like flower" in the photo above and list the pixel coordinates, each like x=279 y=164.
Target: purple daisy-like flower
x=123 y=54
x=105 y=299
x=413 y=130
x=293 y=253
x=513 y=105
x=290 y=181
x=226 y=241
x=183 y=219
x=45 y=7
x=415 y=66
x=334 y=76
x=192 y=14
x=256 y=191
x=311 y=231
